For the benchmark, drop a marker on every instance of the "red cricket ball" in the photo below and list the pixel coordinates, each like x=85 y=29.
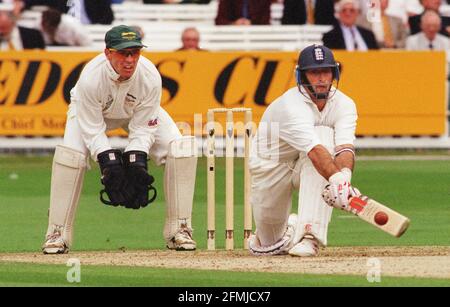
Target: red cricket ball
x=381 y=218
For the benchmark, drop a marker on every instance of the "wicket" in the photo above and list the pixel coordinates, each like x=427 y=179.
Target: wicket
x=229 y=180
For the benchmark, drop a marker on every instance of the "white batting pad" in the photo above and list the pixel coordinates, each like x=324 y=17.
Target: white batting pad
x=313 y=213
x=179 y=184
x=68 y=171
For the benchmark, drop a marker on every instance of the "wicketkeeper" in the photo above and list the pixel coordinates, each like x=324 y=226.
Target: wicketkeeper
x=304 y=142
x=119 y=88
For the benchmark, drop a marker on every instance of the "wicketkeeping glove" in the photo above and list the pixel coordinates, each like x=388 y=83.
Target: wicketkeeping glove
x=113 y=178
x=139 y=182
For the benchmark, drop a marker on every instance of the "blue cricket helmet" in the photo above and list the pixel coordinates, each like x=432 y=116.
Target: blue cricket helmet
x=316 y=56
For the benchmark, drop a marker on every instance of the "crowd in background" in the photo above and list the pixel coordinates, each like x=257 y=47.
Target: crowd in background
x=357 y=24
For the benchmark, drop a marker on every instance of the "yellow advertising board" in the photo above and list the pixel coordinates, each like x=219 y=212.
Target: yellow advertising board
x=397 y=93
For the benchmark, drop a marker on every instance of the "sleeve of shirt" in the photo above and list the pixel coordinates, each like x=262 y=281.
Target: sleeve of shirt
x=91 y=121
x=144 y=123
x=345 y=126
x=298 y=129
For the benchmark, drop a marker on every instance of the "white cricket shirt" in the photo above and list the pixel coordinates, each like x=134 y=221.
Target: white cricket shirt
x=293 y=117
x=102 y=103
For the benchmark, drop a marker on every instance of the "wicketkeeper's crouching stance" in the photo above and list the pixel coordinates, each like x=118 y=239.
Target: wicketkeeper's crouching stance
x=304 y=142
x=119 y=88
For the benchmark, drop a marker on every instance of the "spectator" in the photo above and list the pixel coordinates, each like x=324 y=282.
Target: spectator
x=404 y=9
x=195 y=1
x=18 y=6
x=87 y=11
x=139 y=30
x=190 y=38
x=92 y=11
x=299 y=12
x=346 y=35
x=429 y=38
x=434 y=5
x=61 y=5
x=177 y=1
x=13 y=37
x=62 y=29
x=243 y=12
x=390 y=32
x=162 y=1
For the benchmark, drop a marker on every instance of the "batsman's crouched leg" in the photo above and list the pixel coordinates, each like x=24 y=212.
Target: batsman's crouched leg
x=179 y=186
x=313 y=214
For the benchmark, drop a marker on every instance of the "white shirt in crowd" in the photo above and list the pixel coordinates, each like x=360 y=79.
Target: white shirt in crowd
x=77 y=10
x=70 y=32
x=100 y=102
x=295 y=117
x=401 y=8
x=420 y=42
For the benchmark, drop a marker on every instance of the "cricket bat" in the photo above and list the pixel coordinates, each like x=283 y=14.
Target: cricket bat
x=379 y=215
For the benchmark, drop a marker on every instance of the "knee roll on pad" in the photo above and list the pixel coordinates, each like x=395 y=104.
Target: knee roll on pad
x=69 y=157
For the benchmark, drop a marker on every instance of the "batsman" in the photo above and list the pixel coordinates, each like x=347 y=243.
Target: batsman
x=121 y=89
x=304 y=142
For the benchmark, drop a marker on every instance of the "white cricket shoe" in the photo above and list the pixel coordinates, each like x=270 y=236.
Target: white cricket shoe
x=182 y=241
x=54 y=243
x=307 y=247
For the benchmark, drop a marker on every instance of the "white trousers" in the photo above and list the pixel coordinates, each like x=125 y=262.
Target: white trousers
x=273 y=184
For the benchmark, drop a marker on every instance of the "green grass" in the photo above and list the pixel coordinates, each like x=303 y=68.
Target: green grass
x=56 y=275
x=418 y=189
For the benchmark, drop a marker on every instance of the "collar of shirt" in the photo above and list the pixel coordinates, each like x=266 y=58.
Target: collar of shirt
x=111 y=72
x=438 y=42
x=304 y=94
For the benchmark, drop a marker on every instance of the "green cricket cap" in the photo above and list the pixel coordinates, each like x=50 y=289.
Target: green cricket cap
x=122 y=37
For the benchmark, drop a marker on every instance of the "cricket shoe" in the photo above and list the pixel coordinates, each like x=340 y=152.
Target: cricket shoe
x=307 y=247
x=182 y=240
x=54 y=243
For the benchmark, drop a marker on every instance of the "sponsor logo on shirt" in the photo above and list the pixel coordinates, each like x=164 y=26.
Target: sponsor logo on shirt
x=108 y=103
x=130 y=100
x=153 y=122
